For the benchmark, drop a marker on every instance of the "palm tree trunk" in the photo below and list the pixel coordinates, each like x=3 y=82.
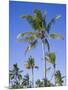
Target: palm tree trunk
x=43 y=50
x=32 y=77
x=54 y=74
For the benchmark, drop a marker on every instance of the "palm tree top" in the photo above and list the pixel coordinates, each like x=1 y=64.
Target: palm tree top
x=59 y=78
x=50 y=57
x=38 y=20
x=40 y=26
x=35 y=20
x=15 y=70
x=31 y=63
x=41 y=29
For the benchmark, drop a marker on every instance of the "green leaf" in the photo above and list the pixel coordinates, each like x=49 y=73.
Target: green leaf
x=24 y=34
x=38 y=15
x=31 y=45
x=39 y=20
x=27 y=36
x=29 y=18
x=51 y=58
x=58 y=78
x=20 y=77
x=55 y=36
x=30 y=63
x=26 y=16
x=53 y=20
x=36 y=20
x=28 y=39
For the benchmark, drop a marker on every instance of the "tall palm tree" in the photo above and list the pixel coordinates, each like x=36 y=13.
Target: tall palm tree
x=41 y=31
x=31 y=65
x=15 y=75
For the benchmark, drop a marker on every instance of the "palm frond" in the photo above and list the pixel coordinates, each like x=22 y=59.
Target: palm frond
x=58 y=78
x=20 y=77
x=28 y=39
x=29 y=18
x=55 y=36
x=30 y=63
x=44 y=21
x=51 y=57
x=31 y=45
x=38 y=16
x=26 y=36
x=38 y=20
x=53 y=20
x=34 y=21
x=38 y=13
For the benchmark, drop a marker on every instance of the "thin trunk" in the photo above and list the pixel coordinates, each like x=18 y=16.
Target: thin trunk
x=43 y=50
x=54 y=74
x=32 y=77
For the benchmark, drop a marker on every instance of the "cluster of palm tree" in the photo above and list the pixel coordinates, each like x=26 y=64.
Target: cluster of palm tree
x=15 y=76
x=41 y=34
x=16 y=80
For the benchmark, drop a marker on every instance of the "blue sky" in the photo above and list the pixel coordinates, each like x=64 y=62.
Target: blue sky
x=18 y=25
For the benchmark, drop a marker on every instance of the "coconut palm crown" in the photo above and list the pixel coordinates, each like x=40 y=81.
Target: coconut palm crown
x=41 y=29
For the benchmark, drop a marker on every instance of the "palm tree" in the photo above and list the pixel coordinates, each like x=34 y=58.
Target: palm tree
x=41 y=31
x=49 y=84
x=25 y=81
x=59 y=78
x=31 y=65
x=51 y=58
x=39 y=83
x=15 y=75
